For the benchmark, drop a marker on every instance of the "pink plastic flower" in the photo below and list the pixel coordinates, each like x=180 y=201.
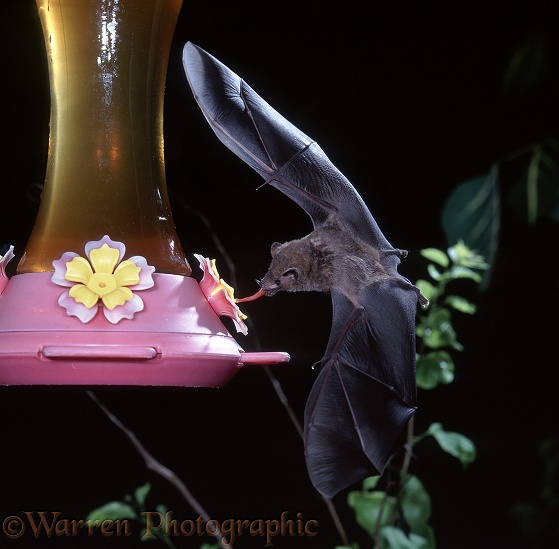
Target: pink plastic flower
x=102 y=277
x=219 y=294
x=4 y=260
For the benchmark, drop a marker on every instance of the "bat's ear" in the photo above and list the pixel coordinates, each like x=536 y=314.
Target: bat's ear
x=275 y=249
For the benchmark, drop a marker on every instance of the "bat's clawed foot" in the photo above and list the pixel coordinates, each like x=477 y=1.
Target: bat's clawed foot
x=405 y=283
x=317 y=364
x=401 y=253
x=423 y=301
x=395 y=251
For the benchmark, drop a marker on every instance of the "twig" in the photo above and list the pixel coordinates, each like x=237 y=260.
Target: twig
x=160 y=469
x=408 y=450
x=283 y=398
x=378 y=522
x=216 y=240
x=402 y=474
x=271 y=376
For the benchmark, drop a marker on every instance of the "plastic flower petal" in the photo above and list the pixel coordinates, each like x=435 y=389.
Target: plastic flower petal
x=146 y=280
x=119 y=296
x=219 y=294
x=94 y=244
x=102 y=278
x=59 y=276
x=104 y=259
x=74 y=308
x=4 y=260
x=127 y=310
x=78 y=270
x=82 y=294
x=127 y=274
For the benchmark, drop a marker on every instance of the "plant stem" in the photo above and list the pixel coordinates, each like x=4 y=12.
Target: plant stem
x=407 y=456
x=159 y=468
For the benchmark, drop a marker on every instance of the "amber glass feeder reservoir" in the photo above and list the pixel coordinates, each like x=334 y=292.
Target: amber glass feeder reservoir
x=105 y=170
x=105 y=175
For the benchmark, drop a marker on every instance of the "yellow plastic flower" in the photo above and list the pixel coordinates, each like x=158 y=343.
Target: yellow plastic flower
x=104 y=277
x=101 y=280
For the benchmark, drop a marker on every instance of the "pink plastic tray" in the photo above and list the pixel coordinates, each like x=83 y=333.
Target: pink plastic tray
x=177 y=340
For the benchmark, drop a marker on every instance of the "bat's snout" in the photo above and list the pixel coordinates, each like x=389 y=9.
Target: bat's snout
x=269 y=288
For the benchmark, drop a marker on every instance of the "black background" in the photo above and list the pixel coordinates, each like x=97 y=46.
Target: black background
x=407 y=100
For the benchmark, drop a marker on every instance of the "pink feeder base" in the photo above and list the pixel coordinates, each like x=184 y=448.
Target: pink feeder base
x=177 y=340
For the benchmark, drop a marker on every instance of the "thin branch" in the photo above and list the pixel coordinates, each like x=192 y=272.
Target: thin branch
x=376 y=528
x=159 y=468
x=271 y=376
x=216 y=240
x=284 y=400
x=297 y=424
x=408 y=450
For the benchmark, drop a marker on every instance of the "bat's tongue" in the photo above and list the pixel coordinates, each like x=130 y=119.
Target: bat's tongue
x=258 y=294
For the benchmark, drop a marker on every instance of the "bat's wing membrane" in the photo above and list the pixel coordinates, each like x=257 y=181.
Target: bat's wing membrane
x=282 y=154
x=365 y=393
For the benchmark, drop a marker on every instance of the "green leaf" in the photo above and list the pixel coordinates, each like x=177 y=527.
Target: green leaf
x=455 y=444
x=472 y=214
x=141 y=494
x=161 y=508
x=436 y=256
x=460 y=304
x=433 y=272
x=164 y=537
x=416 y=503
x=463 y=256
x=372 y=509
x=396 y=538
x=527 y=67
x=434 y=368
x=458 y=272
x=427 y=289
x=416 y=507
x=436 y=330
x=114 y=510
x=536 y=193
x=370 y=483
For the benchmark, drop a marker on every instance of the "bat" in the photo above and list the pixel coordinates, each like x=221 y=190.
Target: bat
x=365 y=392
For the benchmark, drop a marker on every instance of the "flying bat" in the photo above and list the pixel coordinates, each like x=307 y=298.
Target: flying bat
x=365 y=391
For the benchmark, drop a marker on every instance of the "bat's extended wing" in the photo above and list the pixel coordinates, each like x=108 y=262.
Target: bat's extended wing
x=282 y=154
x=365 y=392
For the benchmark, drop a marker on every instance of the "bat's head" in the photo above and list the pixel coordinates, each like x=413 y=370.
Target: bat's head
x=284 y=272
x=296 y=266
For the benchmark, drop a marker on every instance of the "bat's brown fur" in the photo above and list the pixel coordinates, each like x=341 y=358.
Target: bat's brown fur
x=329 y=258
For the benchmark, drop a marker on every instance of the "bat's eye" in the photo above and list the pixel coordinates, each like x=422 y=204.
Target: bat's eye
x=291 y=273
